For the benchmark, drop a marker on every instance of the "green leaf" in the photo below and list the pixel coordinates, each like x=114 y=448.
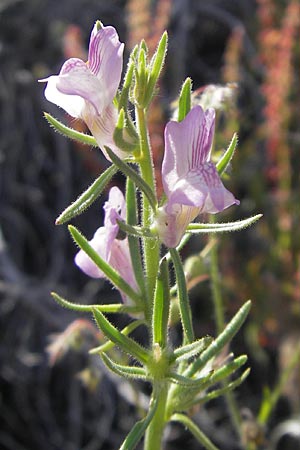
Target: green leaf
x=134 y=176
x=108 y=345
x=227 y=370
x=196 y=432
x=190 y=350
x=133 y=373
x=161 y=306
x=111 y=308
x=191 y=383
x=139 y=429
x=70 y=132
x=184 y=305
x=108 y=271
x=156 y=66
x=198 y=228
x=228 y=155
x=222 y=391
x=127 y=344
x=88 y=197
x=219 y=343
x=133 y=242
x=135 y=231
x=184 y=102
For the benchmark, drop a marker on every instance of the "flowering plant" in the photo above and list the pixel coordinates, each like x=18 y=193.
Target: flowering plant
x=139 y=264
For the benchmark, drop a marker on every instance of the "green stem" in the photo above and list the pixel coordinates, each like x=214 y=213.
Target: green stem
x=188 y=423
x=154 y=433
x=151 y=246
x=220 y=325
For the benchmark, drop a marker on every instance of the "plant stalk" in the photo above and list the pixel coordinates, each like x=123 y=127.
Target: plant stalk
x=154 y=433
x=151 y=246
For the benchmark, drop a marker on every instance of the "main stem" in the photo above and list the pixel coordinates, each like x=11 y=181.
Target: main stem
x=151 y=246
x=154 y=433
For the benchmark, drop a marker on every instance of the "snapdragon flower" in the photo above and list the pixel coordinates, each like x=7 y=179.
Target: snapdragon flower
x=190 y=180
x=86 y=90
x=112 y=250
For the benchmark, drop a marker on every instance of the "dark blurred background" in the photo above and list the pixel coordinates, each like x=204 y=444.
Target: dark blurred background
x=59 y=397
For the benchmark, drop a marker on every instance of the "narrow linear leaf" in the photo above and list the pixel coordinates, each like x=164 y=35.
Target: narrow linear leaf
x=161 y=306
x=134 y=176
x=197 y=228
x=190 y=350
x=184 y=305
x=191 y=383
x=222 y=391
x=135 y=231
x=226 y=371
x=70 y=132
x=219 y=343
x=133 y=242
x=127 y=344
x=111 y=308
x=130 y=372
x=138 y=430
x=109 y=272
x=228 y=155
x=88 y=197
x=184 y=102
x=196 y=432
x=108 y=345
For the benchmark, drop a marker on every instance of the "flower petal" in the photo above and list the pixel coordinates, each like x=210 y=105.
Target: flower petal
x=120 y=260
x=102 y=128
x=100 y=245
x=106 y=58
x=202 y=188
x=75 y=78
x=72 y=104
x=115 y=207
x=171 y=222
x=187 y=145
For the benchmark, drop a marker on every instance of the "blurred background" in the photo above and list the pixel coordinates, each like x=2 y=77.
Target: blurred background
x=53 y=395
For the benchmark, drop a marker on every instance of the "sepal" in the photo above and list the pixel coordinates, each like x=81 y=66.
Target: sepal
x=121 y=136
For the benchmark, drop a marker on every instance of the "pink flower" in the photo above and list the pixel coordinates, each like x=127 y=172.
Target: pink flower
x=190 y=180
x=112 y=250
x=86 y=90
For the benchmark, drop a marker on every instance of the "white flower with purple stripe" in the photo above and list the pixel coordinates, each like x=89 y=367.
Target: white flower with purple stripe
x=112 y=250
x=190 y=180
x=86 y=90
